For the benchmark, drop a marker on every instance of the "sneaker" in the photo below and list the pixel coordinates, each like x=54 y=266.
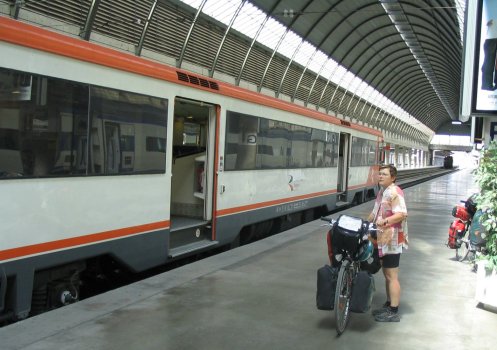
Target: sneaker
x=380 y=310
x=387 y=316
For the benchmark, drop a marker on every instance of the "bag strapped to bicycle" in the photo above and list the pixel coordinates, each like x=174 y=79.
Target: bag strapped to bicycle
x=347 y=234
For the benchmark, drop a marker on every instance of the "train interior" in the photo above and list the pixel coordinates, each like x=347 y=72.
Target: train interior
x=192 y=176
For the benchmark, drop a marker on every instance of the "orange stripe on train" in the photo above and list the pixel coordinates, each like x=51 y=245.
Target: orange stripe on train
x=81 y=240
x=243 y=208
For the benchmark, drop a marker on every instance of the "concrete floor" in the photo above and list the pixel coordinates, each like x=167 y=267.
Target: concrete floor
x=262 y=296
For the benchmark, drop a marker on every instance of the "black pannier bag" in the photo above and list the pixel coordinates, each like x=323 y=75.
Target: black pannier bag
x=373 y=264
x=327 y=284
x=348 y=232
x=363 y=289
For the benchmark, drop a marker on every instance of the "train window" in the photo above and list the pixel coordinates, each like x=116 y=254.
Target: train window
x=128 y=132
x=260 y=143
x=363 y=152
x=44 y=122
x=44 y=129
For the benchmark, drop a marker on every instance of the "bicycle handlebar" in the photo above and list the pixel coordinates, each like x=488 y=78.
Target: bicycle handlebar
x=372 y=229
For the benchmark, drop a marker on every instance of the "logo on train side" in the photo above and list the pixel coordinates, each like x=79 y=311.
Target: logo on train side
x=294 y=181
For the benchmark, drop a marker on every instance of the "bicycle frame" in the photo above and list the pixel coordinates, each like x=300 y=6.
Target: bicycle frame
x=343 y=293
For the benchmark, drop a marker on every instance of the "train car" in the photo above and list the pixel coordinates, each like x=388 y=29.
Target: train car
x=108 y=160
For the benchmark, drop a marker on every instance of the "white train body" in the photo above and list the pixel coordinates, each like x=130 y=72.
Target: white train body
x=153 y=189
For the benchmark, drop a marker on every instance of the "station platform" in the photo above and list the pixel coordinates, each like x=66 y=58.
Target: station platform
x=262 y=296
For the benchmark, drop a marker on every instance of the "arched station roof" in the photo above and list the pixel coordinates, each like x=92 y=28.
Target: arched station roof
x=392 y=64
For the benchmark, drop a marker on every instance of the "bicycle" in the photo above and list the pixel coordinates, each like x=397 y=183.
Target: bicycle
x=465 y=249
x=473 y=241
x=350 y=264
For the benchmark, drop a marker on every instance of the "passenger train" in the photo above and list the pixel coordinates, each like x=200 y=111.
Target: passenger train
x=108 y=157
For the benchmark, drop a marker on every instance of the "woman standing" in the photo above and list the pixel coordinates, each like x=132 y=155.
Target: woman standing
x=390 y=213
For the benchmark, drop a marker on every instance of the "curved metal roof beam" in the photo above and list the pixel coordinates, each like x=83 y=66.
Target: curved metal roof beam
x=361 y=114
x=392 y=70
x=90 y=19
x=275 y=50
x=359 y=55
x=413 y=89
x=381 y=49
x=324 y=14
x=371 y=105
x=375 y=66
x=386 y=112
x=395 y=125
x=409 y=72
x=357 y=100
x=391 y=123
x=325 y=38
x=187 y=38
x=422 y=104
x=139 y=47
x=398 y=85
x=384 y=119
x=376 y=109
x=379 y=119
x=435 y=35
x=252 y=44
x=318 y=47
x=436 y=21
x=416 y=94
x=434 y=50
x=395 y=10
x=399 y=94
x=223 y=40
x=348 y=69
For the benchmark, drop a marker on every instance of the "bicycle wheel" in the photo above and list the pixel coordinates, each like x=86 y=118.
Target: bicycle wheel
x=463 y=251
x=342 y=296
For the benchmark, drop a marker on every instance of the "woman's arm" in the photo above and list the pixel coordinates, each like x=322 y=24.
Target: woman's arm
x=394 y=219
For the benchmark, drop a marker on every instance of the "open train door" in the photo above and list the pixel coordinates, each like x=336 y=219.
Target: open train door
x=192 y=183
x=343 y=165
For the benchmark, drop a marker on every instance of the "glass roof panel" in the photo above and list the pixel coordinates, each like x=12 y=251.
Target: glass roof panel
x=249 y=20
x=348 y=78
x=355 y=85
x=317 y=62
x=271 y=33
x=305 y=53
x=290 y=43
x=223 y=11
x=337 y=76
x=329 y=68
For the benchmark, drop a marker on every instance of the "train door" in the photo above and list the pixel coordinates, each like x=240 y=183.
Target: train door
x=192 y=176
x=343 y=162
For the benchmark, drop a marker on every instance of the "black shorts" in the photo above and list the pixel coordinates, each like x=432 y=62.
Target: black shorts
x=390 y=261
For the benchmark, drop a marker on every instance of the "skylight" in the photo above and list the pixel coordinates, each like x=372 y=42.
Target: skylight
x=275 y=36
